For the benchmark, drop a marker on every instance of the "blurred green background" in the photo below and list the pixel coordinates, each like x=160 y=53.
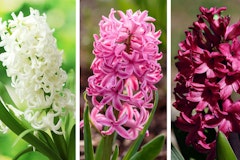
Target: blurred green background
x=91 y=12
x=61 y=15
x=183 y=14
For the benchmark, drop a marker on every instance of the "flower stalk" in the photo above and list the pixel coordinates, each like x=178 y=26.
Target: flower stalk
x=107 y=146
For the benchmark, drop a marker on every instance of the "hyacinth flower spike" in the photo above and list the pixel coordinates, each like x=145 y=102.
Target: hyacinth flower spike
x=33 y=62
x=125 y=71
x=205 y=89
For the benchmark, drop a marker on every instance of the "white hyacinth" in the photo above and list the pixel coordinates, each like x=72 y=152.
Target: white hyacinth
x=33 y=62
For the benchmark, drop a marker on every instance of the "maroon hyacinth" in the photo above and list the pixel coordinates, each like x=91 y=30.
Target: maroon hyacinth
x=208 y=79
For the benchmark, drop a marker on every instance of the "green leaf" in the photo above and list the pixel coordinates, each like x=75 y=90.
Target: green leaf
x=5 y=95
x=116 y=153
x=104 y=149
x=47 y=139
x=61 y=144
x=29 y=149
x=20 y=136
x=88 y=148
x=175 y=154
x=99 y=152
x=135 y=145
x=68 y=123
x=224 y=150
x=71 y=145
x=60 y=141
x=150 y=150
x=107 y=146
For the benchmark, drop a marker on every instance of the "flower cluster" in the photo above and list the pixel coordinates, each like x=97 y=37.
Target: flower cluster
x=208 y=80
x=33 y=62
x=125 y=71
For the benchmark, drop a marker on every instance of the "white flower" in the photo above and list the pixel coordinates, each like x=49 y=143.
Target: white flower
x=33 y=62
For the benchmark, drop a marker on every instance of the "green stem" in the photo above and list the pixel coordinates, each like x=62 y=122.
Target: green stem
x=107 y=146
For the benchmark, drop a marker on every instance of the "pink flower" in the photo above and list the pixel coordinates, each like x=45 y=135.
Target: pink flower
x=125 y=70
x=209 y=74
x=110 y=121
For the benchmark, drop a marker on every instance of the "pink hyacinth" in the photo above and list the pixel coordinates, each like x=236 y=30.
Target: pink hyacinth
x=208 y=78
x=125 y=70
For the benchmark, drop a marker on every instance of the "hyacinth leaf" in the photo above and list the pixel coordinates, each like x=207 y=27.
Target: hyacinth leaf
x=224 y=150
x=150 y=150
x=99 y=152
x=22 y=135
x=135 y=145
x=29 y=149
x=68 y=126
x=60 y=143
x=88 y=148
x=107 y=146
x=13 y=124
x=175 y=154
x=47 y=139
x=4 y=94
x=115 y=153
x=71 y=145
x=7 y=99
x=104 y=149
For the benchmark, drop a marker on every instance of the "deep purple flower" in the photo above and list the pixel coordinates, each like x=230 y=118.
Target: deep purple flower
x=209 y=74
x=125 y=70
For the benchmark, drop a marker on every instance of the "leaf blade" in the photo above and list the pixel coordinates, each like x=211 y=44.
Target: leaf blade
x=224 y=150
x=99 y=151
x=175 y=154
x=88 y=148
x=116 y=153
x=71 y=145
x=25 y=151
x=150 y=150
